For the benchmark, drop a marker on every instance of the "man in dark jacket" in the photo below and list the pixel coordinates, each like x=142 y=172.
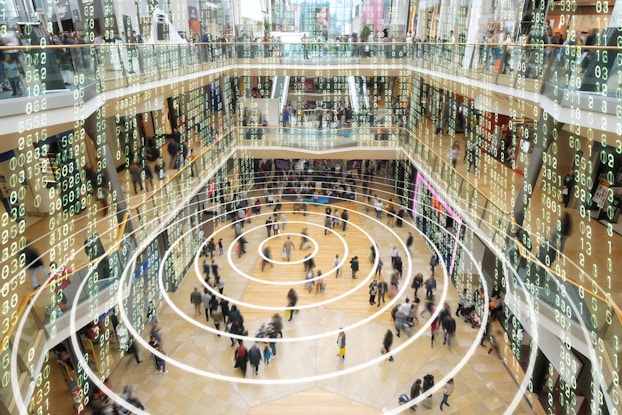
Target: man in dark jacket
x=196 y=300
x=34 y=264
x=254 y=355
x=449 y=326
x=354 y=265
x=344 y=219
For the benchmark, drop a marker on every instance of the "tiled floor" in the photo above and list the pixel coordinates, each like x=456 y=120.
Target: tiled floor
x=483 y=384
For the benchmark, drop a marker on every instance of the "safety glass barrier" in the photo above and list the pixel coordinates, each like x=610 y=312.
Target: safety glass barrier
x=56 y=298
x=570 y=300
x=314 y=139
x=466 y=195
x=569 y=72
x=28 y=344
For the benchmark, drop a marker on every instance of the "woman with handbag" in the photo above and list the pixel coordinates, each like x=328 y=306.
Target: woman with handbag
x=341 y=341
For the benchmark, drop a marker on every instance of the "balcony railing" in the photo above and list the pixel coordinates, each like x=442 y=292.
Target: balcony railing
x=535 y=68
x=564 y=73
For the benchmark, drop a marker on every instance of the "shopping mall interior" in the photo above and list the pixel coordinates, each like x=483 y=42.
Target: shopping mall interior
x=266 y=207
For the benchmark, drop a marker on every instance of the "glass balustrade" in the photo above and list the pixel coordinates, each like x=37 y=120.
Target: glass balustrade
x=557 y=72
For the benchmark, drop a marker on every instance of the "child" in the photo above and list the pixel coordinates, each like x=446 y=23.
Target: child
x=220 y=246
x=267 y=354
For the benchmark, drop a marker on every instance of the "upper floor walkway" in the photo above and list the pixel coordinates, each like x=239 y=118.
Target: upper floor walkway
x=62 y=84
x=482 y=198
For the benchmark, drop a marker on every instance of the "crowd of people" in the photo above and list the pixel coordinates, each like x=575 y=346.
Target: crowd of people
x=228 y=319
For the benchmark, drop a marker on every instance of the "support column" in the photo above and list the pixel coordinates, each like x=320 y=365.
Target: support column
x=545 y=126
x=95 y=127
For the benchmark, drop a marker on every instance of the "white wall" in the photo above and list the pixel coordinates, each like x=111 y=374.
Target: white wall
x=251 y=9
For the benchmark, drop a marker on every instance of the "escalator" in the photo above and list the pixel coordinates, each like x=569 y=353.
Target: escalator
x=359 y=96
x=280 y=89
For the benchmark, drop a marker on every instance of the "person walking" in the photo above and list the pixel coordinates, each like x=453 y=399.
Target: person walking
x=400 y=316
x=12 y=68
x=276 y=231
x=409 y=241
x=268 y=226
x=373 y=253
x=254 y=355
x=400 y=217
x=448 y=389
x=152 y=316
x=211 y=248
x=344 y=219
x=267 y=354
x=433 y=262
x=472 y=155
x=449 y=326
x=206 y=300
x=288 y=245
x=272 y=344
x=462 y=301
x=398 y=266
x=567 y=185
x=327 y=224
x=309 y=280
x=394 y=254
x=160 y=363
x=354 y=265
x=319 y=283
x=417 y=283
x=206 y=269
x=379 y=267
x=373 y=290
x=241 y=358
x=454 y=153
x=215 y=269
x=382 y=290
x=433 y=328
x=430 y=286
x=224 y=306
x=341 y=341
x=277 y=324
x=217 y=316
x=378 y=206
x=336 y=265
x=34 y=264
x=304 y=239
x=241 y=248
x=292 y=299
x=387 y=342
x=133 y=349
x=137 y=178
x=495 y=344
x=415 y=391
x=266 y=258
x=335 y=218
x=195 y=299
x=308 y=263
x=236 y=328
